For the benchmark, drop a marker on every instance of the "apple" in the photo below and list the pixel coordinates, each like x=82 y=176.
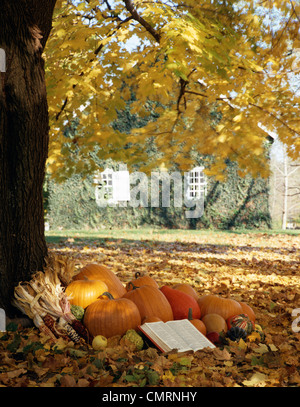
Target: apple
x=99 y=342
x=214 y=337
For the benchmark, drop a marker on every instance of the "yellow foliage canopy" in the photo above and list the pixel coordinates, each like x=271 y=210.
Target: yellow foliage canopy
x=185 y=60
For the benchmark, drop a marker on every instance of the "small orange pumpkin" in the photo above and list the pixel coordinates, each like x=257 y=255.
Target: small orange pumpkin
x=84 y=292
x=214 y=323
x=197 y=323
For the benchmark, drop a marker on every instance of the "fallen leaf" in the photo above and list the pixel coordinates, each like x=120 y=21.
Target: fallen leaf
x=257 y=380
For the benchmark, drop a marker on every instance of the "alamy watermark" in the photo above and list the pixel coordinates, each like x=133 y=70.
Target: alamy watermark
x=160 y=189
x=2 y=60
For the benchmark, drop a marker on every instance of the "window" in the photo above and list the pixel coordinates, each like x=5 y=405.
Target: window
x=112 y=187
x=196 y=183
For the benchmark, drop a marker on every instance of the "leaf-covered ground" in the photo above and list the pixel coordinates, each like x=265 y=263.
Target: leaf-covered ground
x=260 y=269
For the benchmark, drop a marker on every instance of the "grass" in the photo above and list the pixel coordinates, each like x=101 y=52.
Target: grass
x=55 y=236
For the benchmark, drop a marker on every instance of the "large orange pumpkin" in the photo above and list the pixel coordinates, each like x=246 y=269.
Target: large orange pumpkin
x=84 y=292
x=181 y=303
x=109 y=317
x=150 y=302
x=213 y=304
x=186 y=288
x=141 y=280
x=103 y=273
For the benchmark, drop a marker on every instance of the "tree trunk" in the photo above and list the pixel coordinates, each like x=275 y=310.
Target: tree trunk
x=24 y=29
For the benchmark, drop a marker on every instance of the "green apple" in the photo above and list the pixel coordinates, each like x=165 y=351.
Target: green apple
x=99 y=342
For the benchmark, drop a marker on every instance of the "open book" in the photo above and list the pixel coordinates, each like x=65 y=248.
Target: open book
x=180 y=335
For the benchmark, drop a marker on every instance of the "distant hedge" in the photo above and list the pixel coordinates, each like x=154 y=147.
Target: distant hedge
x=236 y=203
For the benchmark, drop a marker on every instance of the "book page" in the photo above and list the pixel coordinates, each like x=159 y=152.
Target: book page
x=192 y=337
x=164 y=334
x=178 y=334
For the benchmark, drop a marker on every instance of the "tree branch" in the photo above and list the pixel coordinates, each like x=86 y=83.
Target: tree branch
x=275 y=117
x=293 y=7
x=130 y=7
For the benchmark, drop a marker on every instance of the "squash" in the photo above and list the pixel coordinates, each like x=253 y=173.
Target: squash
x=103 y=273
x=110 y=317
x=213 y=304
x=150 y=319
x=181 y=303
x=242 y=321
x=197 y=323
x=246 y=309
x=84 y=292
x=214 y=323
x=236 y=333
x=150 y=301
x=186 y=288
x=141 y=280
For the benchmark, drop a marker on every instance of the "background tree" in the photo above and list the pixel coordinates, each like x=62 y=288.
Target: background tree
x=193 y=57
x=285 y=189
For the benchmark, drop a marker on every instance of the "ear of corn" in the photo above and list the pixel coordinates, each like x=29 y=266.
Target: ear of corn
x=43 y=299
x=39 y=323
x=71 y=332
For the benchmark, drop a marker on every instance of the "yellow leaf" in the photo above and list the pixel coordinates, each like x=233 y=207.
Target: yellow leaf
x=256 y=380
x=242 y=344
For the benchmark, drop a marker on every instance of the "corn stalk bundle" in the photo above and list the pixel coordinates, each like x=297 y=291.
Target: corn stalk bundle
x=43 y=299
x=64 y=267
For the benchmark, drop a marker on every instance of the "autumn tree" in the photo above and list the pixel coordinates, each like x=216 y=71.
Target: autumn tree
x=188 y=60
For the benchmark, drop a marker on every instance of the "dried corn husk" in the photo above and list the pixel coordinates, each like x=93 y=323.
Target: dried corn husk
x=64 y=267
x=43 y=298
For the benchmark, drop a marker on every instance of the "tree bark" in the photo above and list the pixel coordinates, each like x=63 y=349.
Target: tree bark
x=24 y=129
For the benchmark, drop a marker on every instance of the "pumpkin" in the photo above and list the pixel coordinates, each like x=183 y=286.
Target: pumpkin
x=213 y=304
x=141 y=280
x=150 y=301
x=99 y=272
x=246 y=309
x=214 y=323
x=84 y=292
x=181 y=303
x=110 y=317
x=150 y=319
x=242 y=321
x=186 y=288
x=197 y=323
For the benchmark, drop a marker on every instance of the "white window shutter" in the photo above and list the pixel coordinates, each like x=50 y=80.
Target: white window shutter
x=121 y=186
